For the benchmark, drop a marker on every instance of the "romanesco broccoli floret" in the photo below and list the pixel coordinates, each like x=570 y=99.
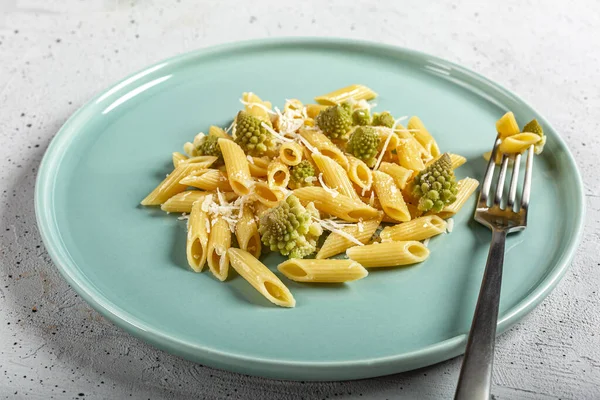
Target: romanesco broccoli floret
x=361 y=117
x=209 y=146
x=252 y=137
x=363 y=144
x=534 y=127
x=435 y=186
x=302 y=174
x=289 y=229
x=335 y=121
x=383 y=119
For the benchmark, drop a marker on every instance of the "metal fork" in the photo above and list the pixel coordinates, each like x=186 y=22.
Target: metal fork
x=475 y=379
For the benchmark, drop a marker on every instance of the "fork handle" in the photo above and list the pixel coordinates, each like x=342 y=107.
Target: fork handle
x=475 y=379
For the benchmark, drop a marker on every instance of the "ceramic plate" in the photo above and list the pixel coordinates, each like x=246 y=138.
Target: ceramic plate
x=129 y=262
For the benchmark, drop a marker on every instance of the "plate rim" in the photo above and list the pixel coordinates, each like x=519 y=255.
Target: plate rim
x=271 y=367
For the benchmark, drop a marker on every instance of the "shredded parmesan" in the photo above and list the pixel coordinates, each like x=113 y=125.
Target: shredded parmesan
x=275 y=133
x=183 y=216
x=259 y=105
x=335 y=228
x=334 y=193
x=372 y=199
x=250 y=159
x=307 y=144
x=450 y=224
x=310 y=179
x=426 y=242
x=361 y=226
x=387 y=142
x=228 y=129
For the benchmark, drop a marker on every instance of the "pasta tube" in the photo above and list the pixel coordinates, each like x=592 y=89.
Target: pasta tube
x=290 y=153
x=400 y=174
x=261 y=278
x=322 y=271
x=388 y=254
x=409 y=155
x=238 y=170
x=278 y=175
x=337 y=205
x=267 y=195
x=359 y=173
x=336 y=243
x=518 y=143
x=418 y=229
x=182 y=202
x=178 y=157
x=334 y=175
x=210 y=179
x=170 y=186
x=390 y=197
x=197 y=237
x=417 y=128
x=219 y=242
x=246 y=233
x=258 y=166
x=354 y=92
x=320 y=142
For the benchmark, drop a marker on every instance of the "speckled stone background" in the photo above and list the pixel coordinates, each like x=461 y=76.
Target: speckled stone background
x=56 y=55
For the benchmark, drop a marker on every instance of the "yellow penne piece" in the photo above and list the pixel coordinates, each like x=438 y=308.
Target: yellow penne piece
x=336 y=243
x=383 y=133
x=359 y=173
x=219 y=242
x=258 y=166
x=507 y=125
x=170 y=186
x=268 y=195
x=182 y=202
x=322 y=271
x=323 y=145
x=418 y=130
x=261 y=278
x=400 y=174
x=197 y=237
x=238 y=171
x=256 y=107
x=334 y=175
x=201 y=161
x=178 y=157
x=409 y=155
x=189 y=149
x=278 y=174
x=218 y=132
x=518 y=143
x=390 y=197
x=337 y=205
x=246 y=232
x=465 y=188
x=290 y=153
x=418 y=229
x=210 y=179
x=355 y=92
x=388 y=254
x=455 y=159
x=312 y=110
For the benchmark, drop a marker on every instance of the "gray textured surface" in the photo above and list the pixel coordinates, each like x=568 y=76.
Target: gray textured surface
x=54 y=57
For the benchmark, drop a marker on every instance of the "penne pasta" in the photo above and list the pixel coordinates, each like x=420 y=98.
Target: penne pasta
x=336 y=243
x=359 y=173
x=218 y=132
x=246 y=232
x=389 y=254
x=393 y=142
x=465 y=188
x=507 y=125
x=170 y=186
x=322 y=271
x=325 y=146
x=197 y=237
x=178 y=157
x=400 y=174
x=278 y=175
x=312 y=110
x=337 y=205
x=182 y=202
x=417 y=229
x=290 y=153
x=409 y=155
x=219 y=242
x=418 y=130
x=261 y=278
x=238 y=170
x=256 y=107
x=518 y=143
x=209 y=179
x=267 y=195
x=201 y=161
x=354 y=92
x=334 y=175
x=390 y=197
x=189 y=149
x=258 y=166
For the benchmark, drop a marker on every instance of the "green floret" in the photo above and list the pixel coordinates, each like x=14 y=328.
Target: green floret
x=361 y=117
x=363 y=144
x=289 y=229
x=300 y=172
x=383 y=119
x=209 y=146
x=252 y=137
x=534 y=127
x=335 y=121
x=435 y=186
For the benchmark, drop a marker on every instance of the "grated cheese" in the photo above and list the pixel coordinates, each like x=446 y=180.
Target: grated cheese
x=259 y=105
x=250 y=159
x=450 y=224
x=335 y=228
x=426 y=242
x=275 y=133
x=387 y=142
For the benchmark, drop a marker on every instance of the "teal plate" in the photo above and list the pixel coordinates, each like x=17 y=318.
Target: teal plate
x=129 y=263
